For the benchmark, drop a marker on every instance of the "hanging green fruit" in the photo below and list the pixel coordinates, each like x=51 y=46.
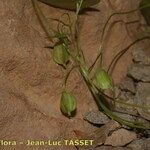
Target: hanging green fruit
x=145 y=5
x=103 y=80
x=68 y=103
x=60 y=54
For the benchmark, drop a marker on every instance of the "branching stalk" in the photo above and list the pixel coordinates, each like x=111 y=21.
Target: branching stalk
x=79 y=61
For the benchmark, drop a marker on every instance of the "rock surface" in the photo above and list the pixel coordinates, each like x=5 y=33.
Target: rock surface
x=127 y=85
x=120 y=137
x=96 y=117
x=140 y=144
x=100 y=135
x=125 y=116
x=111 y=148
x=30 y=83
x=141 y=56
x=139 y=72
x=142 y=98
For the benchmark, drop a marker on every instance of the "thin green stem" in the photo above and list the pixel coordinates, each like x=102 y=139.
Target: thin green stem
x=108 y=112
x=85 y=74
x=77 y=37
x=121 y=101
x=45 y=24
x=67 y=76
x=83 y=68
x=119 y=54
x=100 y=54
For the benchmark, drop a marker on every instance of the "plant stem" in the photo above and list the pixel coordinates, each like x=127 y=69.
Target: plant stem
x=79 y=50
x=107 y=111
x=100 y=54
x=118 y=55
x=45 y=24
x=67 y=76
x=121 y=101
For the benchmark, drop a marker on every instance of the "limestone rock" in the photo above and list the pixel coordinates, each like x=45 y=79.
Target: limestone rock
x=127 y=85
x=120 y=137
x=140 y=144
x=110 y=148
x=96 y=117
x=139 y=72
x=100 y=135
x=142 y=97
x=141 y=56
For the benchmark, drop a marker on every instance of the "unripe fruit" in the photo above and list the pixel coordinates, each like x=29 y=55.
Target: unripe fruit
x=60 y=55
x=103 y=80
x=68 y=103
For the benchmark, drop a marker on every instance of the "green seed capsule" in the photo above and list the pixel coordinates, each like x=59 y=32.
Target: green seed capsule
x=103 y=80
x=68 y=103
x=60 y=55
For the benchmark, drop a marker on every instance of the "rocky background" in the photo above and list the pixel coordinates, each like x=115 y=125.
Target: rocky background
x=135 y=88
x=30 y=83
